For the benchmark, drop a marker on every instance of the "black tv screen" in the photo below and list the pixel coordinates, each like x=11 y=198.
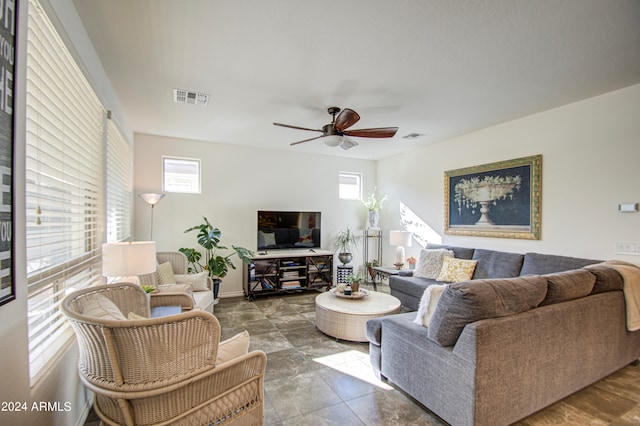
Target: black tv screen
x=279 y=230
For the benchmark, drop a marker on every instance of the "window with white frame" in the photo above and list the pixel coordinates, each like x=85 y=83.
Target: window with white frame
x=350 y=186
x=118 y=188
x=180 y=175
x=65 y=193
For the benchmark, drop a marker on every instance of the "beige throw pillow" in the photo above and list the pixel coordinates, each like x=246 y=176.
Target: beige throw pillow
x=100 y=307
x=198 y=281
x=430 y=262
x=456 y=270
x=232 y=348
x=134 y=316
x=165 y=273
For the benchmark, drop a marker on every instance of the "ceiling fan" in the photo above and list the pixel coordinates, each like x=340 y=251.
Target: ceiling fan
x=336 y=133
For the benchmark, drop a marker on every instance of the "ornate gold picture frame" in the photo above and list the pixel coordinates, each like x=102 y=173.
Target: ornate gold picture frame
x=500 y=200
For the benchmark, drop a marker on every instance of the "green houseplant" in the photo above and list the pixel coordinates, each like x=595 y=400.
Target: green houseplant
x=346 y=240
x=215 y=261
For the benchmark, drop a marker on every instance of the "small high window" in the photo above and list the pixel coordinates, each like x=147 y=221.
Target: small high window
x=181 y=175
x=350 y=187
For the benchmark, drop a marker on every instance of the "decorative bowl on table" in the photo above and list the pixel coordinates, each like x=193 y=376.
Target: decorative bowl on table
x=357 y=295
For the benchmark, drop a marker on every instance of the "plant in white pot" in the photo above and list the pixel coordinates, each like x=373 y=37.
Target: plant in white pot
x=216 y=263
x=346 y=240
x=374 y=205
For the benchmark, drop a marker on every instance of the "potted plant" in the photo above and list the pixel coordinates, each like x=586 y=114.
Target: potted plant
x=370 y=265
x=346 y=240
x=355 y=280
x=215 y=261
x=412 y=262
x=374 y=205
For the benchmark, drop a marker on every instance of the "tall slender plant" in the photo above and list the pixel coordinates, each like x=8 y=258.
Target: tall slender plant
x=215 y=263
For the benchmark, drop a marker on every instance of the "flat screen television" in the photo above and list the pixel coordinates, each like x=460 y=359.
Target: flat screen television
x=283 y=230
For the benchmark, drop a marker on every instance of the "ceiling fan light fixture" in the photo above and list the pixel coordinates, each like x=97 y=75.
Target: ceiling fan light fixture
x=333 y=140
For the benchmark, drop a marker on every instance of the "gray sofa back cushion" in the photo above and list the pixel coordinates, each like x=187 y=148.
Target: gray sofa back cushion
x=607 y=278
x=540 y=264
x=496 y=264
x=459 y=252
x=563 y=286
x=471 y=301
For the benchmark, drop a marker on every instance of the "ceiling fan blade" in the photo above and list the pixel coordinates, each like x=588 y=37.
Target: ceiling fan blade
x=346 y=119
x=380 y=132
x=306 y=140
x=296 y=127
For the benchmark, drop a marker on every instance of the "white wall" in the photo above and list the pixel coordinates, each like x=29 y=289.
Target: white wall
x=237 y=181
x=590 y=163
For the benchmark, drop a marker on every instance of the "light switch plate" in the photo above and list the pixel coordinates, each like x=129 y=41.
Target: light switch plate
x=628 y=207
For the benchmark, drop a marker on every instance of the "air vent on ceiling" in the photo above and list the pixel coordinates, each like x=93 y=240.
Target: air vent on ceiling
x=413 y=136
x=189 y=97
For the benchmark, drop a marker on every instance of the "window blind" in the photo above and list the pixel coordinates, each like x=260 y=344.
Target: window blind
x=64 y=186
x=118 y=189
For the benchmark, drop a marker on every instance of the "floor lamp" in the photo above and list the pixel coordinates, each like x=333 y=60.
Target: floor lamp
x=401 y=239
x=127 y=260
x=152 y=199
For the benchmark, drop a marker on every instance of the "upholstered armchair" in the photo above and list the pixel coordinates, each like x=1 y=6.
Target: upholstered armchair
x=201 y=297
x=160 y=370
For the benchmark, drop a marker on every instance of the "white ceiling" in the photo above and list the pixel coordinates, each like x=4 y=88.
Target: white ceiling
x=438 y=67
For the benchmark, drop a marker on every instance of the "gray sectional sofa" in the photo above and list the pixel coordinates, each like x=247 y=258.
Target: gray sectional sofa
x=526 y=331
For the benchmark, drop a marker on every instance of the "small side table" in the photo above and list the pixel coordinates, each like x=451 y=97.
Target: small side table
x=163 y=311
x=383 y=272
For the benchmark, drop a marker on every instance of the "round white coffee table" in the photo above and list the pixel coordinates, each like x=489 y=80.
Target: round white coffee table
x=346 y=318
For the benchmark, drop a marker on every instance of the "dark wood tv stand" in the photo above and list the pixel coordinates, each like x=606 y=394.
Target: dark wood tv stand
x=286 y=271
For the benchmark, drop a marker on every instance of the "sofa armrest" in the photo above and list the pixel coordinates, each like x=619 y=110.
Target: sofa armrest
x=405 y=273
x=172 y=299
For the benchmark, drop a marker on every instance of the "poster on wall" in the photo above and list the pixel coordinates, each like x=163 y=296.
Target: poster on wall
x=495 y=200
x=8 y=23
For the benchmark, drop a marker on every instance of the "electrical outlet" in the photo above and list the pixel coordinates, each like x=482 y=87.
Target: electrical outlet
x=632 y=248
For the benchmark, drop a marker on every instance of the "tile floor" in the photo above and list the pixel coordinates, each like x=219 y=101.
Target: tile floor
x=313 y=379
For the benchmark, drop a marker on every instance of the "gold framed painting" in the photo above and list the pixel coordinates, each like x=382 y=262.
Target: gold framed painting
x=499 y=199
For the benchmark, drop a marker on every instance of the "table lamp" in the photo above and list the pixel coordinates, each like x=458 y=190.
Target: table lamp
x=401 y=239
x=129 y=259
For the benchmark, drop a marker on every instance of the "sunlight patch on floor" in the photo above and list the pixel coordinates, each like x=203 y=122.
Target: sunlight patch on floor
x=355 y=364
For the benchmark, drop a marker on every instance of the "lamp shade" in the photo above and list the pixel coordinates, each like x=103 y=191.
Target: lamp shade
x=151 y=198
x=400 y=238
x=332 y=140
x=129 y=258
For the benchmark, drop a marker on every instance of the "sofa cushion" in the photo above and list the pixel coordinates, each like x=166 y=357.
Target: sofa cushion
x=233 y=347
x=496 y=264
x=413 y=286
x=198 y=281
x=607 y=279
x=98 y=306
x=459 y=252
x=540 y=264
x=563 y=286
x=456 y=270
x=470 y=301
x=430 y=262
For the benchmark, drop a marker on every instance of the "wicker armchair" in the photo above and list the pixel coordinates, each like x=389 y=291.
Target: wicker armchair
x=180 y=265
x=162 y=370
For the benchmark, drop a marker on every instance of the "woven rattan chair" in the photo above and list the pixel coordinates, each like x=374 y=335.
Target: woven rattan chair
x=162 y=371
x=180 y=265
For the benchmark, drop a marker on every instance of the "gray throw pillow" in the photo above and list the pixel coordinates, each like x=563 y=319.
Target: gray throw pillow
x=430 y=263
x=496 y=264
x=563 y=286
x=470 y=301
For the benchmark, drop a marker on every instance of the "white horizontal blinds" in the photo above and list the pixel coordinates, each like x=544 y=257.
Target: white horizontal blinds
x=350 y=187
x=119 y=190
x=64 y=201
